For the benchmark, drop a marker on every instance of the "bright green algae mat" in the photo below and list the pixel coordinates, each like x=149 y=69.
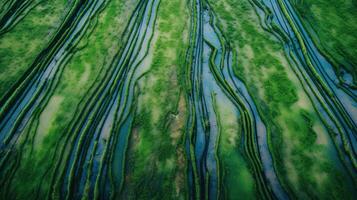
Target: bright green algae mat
x=124 y=99
x=21 y=44
x=299 y=143
x=335 y=26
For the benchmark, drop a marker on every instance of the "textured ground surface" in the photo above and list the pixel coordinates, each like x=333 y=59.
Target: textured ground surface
x=178 y=99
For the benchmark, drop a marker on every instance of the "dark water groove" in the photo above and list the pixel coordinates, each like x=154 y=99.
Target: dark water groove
x=126 y=98
x=89 y=160
x=113 y=105
x=47 y=53
x=16 y=11
x=335 y=107
x=126 y=108
x=4 y=5
x=196 y=134
x=104 y=84
x=19 y=112
x=37 y=93
x=329 y=103
x=212 y=73
x=45 y=99
x=344 y=108
x=224 y=74
x=332 y=80
x=321 y=60
x=325 y=69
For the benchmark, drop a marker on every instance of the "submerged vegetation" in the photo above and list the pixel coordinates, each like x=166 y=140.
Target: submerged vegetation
x=172 y=99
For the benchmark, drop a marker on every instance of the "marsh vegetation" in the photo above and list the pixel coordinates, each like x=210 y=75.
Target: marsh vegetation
x=173 y=99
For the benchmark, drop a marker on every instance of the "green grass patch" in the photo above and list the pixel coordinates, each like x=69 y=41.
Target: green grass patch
x=297 y=154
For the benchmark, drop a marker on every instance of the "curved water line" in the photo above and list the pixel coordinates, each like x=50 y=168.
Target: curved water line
x=210 y=74
x=97 y=129
x=335 y=107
